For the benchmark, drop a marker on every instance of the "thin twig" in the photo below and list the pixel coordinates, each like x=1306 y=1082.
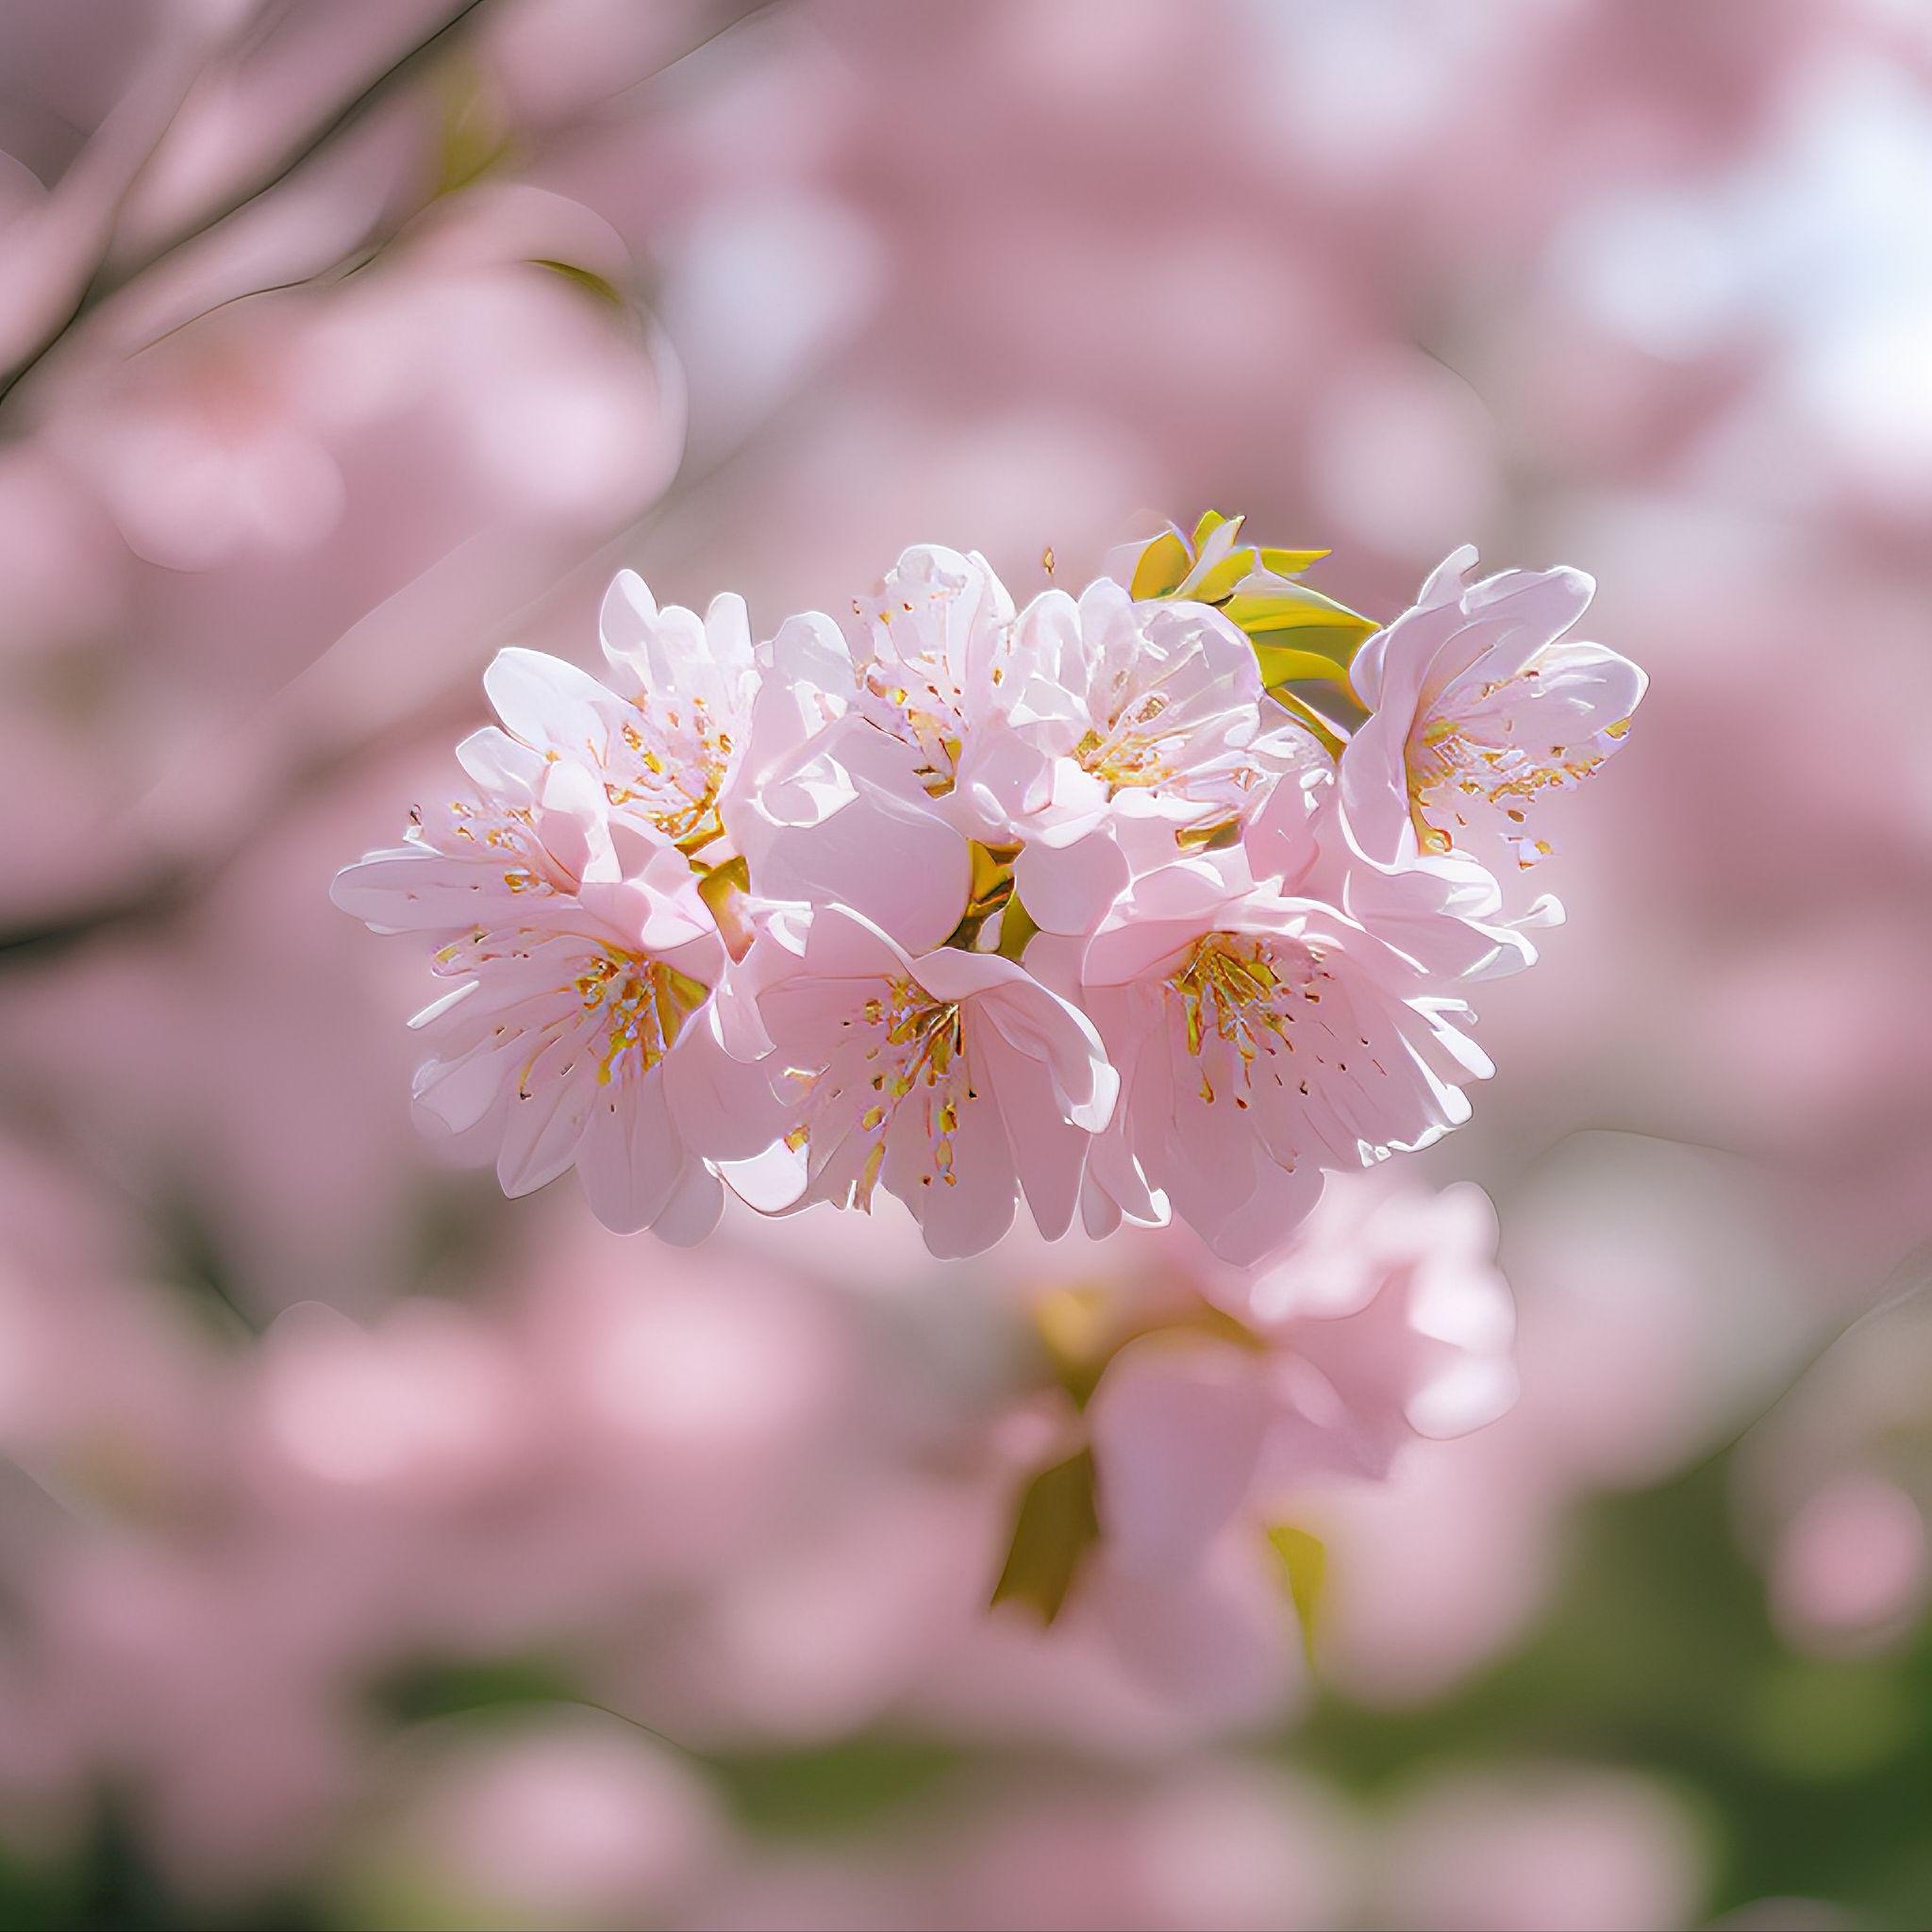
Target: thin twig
x=397 y=75
x=103 y=285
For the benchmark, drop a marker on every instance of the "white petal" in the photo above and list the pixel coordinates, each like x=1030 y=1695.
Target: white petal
x=548 y=704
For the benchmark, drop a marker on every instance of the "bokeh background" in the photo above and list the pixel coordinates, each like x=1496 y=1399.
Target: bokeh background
x=377 y=1551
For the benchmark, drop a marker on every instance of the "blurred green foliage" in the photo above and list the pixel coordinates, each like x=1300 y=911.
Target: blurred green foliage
x=1813 y=1776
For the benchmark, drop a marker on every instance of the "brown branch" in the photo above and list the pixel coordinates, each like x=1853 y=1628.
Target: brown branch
x=103 y=285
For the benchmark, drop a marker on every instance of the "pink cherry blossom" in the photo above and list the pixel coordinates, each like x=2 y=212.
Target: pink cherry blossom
x=853 y=832
x=1853 y=1565
x=919 y=663
x=954 y=1078
x=1527 y=1846
x=1051 y=858
x=1260 y=1040
x=588 y=1040
x=1378 y=1329
x=581 y=1031
x=390 y=324
x=887 y=708
x=1477 y=710
x=526 y=830
x=664 y=742
x=1134 y=731
x=928 y=649
x=1083 y=742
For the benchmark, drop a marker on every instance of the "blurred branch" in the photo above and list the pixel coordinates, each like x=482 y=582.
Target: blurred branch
x=88 y=203
x=171 y=885
x=393 y=78
x=103 y=285
x=40 y=939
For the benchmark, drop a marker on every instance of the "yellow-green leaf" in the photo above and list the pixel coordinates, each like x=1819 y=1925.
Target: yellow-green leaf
x=1161 y=566
x=587 y=280
x=1300 y=709
x=1304 y=1560
x=1221 y=837
x=1211 y=520
x=1017 y=926
x=1290 y=663
x=1078 y=1328
x=1055 y=1525
x=1221 y=580
x=1290 y=564
x=1298 y=608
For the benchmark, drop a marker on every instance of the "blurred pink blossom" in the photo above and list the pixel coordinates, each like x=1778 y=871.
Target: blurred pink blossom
x=1540 y=1849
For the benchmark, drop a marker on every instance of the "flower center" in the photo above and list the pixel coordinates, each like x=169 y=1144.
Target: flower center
x=925 y=707
x=1232 y=989
x=642 y=1004
x=510 y=831
x=918 y=1051
x=1456 y=756
x=912 y=682
x=671 y=763
x=1132 y=751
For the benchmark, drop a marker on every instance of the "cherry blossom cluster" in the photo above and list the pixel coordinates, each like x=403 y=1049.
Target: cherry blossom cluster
x=1151 y=903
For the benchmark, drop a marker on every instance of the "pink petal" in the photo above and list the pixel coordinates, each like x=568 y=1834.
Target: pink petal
x=1177 y=1430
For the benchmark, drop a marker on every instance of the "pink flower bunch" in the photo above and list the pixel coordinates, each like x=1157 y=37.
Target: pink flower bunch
x=1153 y=902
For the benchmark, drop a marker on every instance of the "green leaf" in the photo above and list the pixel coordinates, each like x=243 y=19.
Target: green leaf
x=838 y=1787
x=990 y=888
x=422 y=1689
x=1304 y=1560
x=1017 y=926
x=1290 y=564
x=1055 y=1525
x=1161 y=566
x=1211 y=520
x=1294 y=608
x=1318 y=723
x=1283 y=663
x=1218 y=585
